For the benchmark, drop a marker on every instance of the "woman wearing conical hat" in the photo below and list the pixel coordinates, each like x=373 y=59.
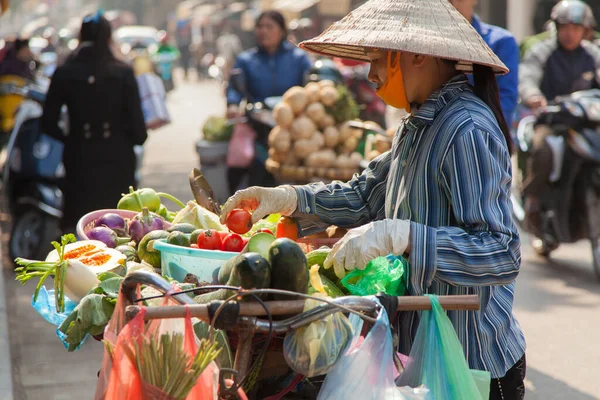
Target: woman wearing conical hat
x=441 y=196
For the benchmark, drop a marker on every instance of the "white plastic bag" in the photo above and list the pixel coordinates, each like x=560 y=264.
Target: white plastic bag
x=366 y=371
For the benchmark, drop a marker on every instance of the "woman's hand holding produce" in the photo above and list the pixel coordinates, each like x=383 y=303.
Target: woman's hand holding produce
x=363 y=244
x=262 y=201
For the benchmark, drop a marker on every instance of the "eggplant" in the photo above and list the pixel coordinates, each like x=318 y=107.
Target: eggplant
x=144 y=223
x=107 y=236
x=114 y=222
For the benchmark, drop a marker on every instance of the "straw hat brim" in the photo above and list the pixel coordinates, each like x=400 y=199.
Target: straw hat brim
x=428 y=27
x=359 y=53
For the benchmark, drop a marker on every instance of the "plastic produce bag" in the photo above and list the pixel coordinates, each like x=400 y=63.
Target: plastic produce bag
x=314 y=349
x=437 y=360
x=125 y=382
x=366 y=370
x=46 y=307
x=382 y=274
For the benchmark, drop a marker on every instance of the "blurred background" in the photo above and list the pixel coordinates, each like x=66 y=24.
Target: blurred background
x=557 y=299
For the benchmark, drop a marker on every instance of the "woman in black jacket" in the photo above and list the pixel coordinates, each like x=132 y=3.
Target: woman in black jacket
x=105 y=122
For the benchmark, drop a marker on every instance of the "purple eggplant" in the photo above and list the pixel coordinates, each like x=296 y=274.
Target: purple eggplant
x=114 y=222
x=107 y=236
x=144 y=223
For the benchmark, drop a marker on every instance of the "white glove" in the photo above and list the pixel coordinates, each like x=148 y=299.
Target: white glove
x=363 y=244
x=263 y=201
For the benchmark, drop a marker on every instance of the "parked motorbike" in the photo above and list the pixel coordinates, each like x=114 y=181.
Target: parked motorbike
x=572 y=211
x=30 y=175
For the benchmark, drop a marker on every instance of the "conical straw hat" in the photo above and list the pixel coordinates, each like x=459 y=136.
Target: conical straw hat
x=429 y=27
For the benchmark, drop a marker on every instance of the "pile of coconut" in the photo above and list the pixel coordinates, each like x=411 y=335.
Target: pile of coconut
x=309 y=141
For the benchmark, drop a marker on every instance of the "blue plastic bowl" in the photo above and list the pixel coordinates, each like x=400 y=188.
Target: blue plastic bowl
x=178 y=261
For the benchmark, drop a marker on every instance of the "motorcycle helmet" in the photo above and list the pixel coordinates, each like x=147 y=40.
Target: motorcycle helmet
x=573 y=12
x=325 y=69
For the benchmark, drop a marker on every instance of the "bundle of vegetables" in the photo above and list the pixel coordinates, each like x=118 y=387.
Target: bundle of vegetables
x=166 y=370
x=312 y=136
x=217 y=129
x=73 y=266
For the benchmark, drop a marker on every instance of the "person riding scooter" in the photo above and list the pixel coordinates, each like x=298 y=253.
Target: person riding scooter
x=557 y=66
x=269 y=70
x=164 y=59
x=15 y=70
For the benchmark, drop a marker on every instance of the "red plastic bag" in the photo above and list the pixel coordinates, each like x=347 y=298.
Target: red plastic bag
x=125 y=382
x=111 y=333
x=241 y=151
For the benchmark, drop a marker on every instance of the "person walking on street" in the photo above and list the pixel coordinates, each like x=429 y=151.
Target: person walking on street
x=105 y=122
x=441 y=196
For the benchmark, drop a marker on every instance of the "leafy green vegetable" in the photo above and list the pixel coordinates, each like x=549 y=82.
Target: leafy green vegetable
x=30 y=269
x=89 y=317
x=225 y=358
x=217 y=129
x=93 y=312
x=345 y=108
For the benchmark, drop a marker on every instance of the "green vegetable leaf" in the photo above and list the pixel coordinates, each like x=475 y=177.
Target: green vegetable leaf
x=111 y=286
x=104 y=276
x=89 y=317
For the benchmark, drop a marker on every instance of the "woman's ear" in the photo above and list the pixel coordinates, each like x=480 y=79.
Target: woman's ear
x=418 y=60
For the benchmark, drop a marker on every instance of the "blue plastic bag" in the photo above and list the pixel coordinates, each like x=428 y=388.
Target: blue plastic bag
x=366 y=371
x=437 y=361
x=46 y=307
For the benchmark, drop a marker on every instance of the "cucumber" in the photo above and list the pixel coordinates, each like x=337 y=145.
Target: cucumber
x=289 y=268
x=178 y=238
x=260 y=243
x=146 y=250
x=320 y=284
x=317 y=257
x=183 y=227
x=250 y=271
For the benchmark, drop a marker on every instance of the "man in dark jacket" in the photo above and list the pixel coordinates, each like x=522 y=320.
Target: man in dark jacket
x=563 y=64
x=18 y=60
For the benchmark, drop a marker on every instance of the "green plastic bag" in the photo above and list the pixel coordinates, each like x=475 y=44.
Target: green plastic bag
x=437 y=361
x=383 y=274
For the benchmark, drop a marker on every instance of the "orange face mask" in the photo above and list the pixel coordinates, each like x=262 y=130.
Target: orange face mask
x=393 y=91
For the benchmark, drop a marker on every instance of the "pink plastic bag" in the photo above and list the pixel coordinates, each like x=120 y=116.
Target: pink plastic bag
x=240 y=153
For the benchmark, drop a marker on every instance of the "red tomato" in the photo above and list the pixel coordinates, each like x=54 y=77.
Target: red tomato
x=239 y=221
x=233 y=242
x=287 y=228
x=209 y=239
x=265 y=230
x=194 y=246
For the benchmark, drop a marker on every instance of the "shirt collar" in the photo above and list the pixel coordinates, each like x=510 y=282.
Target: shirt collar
x=426 y=114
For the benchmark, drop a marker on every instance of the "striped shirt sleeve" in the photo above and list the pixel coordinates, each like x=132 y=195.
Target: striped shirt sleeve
x=344 y=204
x=482 y=248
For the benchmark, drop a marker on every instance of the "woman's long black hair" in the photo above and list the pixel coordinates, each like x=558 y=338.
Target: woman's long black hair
x=486 y=88
x=96 y=29
x=277 y=17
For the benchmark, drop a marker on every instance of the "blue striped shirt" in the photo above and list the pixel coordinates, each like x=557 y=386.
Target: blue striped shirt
x=449 y=173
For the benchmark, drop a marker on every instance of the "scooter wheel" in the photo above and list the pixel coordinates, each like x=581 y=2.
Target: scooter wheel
x=31 y=235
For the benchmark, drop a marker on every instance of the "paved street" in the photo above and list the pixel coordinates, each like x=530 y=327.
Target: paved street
x=558 y=303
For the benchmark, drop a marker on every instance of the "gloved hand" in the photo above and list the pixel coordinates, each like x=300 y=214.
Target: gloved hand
x=363 y=244
x=263 y=201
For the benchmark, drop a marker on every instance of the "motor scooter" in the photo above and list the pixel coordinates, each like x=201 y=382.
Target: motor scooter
x=572 y=211
x=31 y=172
x=164 y=63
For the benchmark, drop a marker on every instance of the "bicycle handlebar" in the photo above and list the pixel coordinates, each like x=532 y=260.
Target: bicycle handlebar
x=247 y=313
